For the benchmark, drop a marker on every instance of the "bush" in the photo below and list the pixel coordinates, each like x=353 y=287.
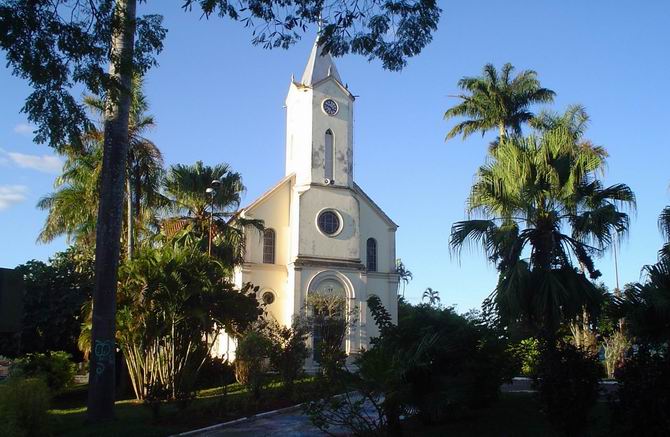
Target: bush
x=526 y=354
x=288 y=351
x=643 y=407
x=215 y=372
x=468 y=362
x=23 y=407
x=251 y=361
x=567 y=382
x=56 y=368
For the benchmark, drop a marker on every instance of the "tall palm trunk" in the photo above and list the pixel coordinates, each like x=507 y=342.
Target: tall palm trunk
x=101 y=392
x=131 y=219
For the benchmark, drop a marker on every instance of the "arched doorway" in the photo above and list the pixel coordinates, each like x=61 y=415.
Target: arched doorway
x=328 y=310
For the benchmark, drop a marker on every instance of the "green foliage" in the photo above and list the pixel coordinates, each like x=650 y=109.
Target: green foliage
x=497 y=101
x=251 y=361
x=60 y=50
x=567 y=381
x=389 y=31
x=172 y=304
x=540 y=197
x=215 y=371
x=189 y=209
x=434 y=363
x=288 y=350
x=23 y=407
x=642 y=406
x=54 y=294
x=468 y=361
x=56 y=368
x=646 y=305
x=527 y=354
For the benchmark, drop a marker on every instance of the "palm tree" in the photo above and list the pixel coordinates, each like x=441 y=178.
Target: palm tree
x=189 y=208
x=403 y=274
x=646 y=305
x=664 y=226
x=497 y=101
x=144 y=167
x=73 y=207
x=541 y=207
x=432 y=296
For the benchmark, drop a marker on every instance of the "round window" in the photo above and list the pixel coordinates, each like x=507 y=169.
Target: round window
x=329 y=222
x=268 y=298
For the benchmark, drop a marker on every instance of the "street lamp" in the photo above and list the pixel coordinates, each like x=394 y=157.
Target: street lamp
x=212 y=192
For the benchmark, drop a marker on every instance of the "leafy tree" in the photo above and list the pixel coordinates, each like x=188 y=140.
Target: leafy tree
x=54 y=294
x=540 y=197
x=288 y=350
x=61 y=46
x=251 y=356
x=497 y=101
x=432 y=296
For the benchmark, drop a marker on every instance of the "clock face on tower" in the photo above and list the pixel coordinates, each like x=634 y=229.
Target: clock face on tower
x=330 y=107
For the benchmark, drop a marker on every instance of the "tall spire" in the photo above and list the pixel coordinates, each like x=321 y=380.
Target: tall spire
x=319 y=67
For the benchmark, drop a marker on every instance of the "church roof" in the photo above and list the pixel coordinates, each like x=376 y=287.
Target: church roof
x=319 y=67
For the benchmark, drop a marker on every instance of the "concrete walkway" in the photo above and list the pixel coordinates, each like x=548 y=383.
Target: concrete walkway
x=292 y=421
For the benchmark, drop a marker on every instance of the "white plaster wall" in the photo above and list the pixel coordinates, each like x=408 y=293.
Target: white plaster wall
x=299 y=133
x=312 y=242
x=274 y=211
x=372 y=225
x=341 y=124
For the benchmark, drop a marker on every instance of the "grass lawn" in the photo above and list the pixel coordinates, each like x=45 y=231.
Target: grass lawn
x=68 y=414
x=514 y=415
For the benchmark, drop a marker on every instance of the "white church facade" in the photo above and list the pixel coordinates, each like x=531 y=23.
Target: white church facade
x=323 y=233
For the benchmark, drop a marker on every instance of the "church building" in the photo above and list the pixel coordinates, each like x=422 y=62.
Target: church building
x=323 y=233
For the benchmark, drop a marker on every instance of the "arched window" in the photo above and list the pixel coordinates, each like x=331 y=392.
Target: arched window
x=329 y=155
x=268 y=246
x=371 y=257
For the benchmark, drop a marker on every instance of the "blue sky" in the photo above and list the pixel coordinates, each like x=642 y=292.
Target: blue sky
x=217 y=98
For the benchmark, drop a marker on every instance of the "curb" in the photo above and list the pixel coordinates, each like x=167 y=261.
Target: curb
x=240 y=420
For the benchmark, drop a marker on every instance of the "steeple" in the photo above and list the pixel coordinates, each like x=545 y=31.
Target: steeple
x=319 y=67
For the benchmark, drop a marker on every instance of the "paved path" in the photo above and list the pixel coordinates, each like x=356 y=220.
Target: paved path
x=294 y=422
x=289 y=424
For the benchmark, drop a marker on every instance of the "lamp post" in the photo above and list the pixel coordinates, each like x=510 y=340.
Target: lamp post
x=212 y=192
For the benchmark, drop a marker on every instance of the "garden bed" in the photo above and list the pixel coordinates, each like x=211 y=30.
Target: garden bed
x=210 y=407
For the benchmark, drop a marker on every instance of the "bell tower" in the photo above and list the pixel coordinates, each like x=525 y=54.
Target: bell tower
x=319 y=125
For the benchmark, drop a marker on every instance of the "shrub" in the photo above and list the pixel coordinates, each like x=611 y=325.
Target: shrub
x=56 y=368
x=567 y=381
x=468 y=362
x=643 y=407
x=214 y=372
x=526 y=353
x=288 y=351
x=251 y=361
x=23 y=407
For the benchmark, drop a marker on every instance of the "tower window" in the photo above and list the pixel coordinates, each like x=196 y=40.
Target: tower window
x=268 y=246
x=371 y=258
x=328 y=159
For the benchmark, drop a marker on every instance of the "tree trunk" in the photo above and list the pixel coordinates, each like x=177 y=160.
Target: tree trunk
x=101 y=393
x=130 y=219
